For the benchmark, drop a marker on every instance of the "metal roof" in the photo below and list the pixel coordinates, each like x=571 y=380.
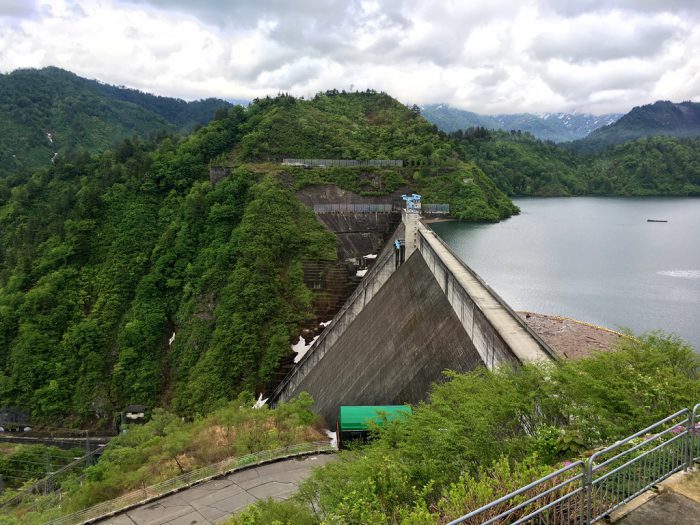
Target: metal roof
x=358 y=417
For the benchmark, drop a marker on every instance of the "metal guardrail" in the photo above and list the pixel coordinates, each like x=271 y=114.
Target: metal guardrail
x=583 y=493
x=557 y=498
x=615 y=479
x=51 y=482
x=318 y=163
x=164 y=488
x=436 y=208
x=353 y=208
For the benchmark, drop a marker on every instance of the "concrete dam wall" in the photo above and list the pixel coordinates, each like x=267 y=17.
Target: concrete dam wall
x=403 y=326
x=397 y=345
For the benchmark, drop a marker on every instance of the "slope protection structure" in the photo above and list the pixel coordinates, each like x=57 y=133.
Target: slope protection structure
x=407 y=323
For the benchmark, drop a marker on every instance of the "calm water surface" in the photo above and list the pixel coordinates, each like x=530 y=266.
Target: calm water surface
x=594 y=259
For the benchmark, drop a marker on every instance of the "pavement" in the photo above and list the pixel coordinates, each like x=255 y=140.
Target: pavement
x=677 y=503
x=216 y=500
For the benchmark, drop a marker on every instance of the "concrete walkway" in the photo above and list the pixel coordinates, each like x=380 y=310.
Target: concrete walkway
x=677 y=503
x=218 y=499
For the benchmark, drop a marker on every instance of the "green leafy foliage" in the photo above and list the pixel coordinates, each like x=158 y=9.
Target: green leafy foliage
x=483 y=434
x=163 y=448
x=22 y=464
x=521 y=165
x=50 y=111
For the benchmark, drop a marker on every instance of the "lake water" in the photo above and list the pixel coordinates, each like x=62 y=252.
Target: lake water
x=593 y=259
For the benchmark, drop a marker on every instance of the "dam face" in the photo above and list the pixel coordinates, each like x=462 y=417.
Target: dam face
x=405 y=325
x=398 y=345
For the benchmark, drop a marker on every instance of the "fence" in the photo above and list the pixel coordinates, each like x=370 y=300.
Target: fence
x=52 y=482
x=353 y=208
x=141 y=496
x=322 y=163
x=586 y=492
x=436 y=209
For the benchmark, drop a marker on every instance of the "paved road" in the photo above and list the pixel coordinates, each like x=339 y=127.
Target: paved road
x=216 y=500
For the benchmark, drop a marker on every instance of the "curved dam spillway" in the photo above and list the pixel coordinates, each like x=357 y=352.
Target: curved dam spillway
x=406 y=324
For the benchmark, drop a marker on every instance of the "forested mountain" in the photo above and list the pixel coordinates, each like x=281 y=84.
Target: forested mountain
x=660 y=118
x=127 y=277
x=48 y=111
x=522 y=165
x=558 y=127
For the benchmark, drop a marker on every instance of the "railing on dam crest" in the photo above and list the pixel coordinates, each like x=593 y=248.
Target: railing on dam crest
x=497 y=339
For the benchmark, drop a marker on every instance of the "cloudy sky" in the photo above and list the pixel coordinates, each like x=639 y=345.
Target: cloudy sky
x=488 y=56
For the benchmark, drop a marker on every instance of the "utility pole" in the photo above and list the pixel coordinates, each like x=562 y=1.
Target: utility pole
x=87 y=449
x=47 y=481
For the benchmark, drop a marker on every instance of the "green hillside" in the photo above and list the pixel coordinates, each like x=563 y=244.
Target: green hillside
x=662 y=118
x=103 y=258
x=49 y=111
x=521 y=165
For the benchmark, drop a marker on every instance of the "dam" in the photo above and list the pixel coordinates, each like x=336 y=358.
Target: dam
x=419 y=311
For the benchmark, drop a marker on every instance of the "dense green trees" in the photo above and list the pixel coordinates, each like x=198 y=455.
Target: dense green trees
x=521 y=165
x=103 y=259
x=50 y=111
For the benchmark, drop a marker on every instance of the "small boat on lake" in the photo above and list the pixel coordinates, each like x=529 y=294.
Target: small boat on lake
x=657 y=220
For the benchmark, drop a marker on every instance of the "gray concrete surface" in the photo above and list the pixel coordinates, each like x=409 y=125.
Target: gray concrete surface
x=677 y=503
x=216 y=500
x=667 y=507
x=396 y=347
x=498 y=335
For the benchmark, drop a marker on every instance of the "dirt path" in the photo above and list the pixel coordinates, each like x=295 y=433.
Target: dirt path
x=570 y=338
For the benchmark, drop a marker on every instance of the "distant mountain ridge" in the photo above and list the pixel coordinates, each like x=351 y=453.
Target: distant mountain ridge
x=558 y=127
x=48 y=111
x=660 y=118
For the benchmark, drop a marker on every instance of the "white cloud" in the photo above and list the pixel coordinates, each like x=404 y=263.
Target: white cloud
x=492 y=57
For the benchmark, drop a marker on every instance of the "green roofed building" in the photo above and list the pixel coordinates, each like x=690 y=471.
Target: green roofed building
x=354 y=422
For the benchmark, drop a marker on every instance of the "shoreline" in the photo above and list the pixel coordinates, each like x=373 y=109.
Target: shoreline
x=571 y=338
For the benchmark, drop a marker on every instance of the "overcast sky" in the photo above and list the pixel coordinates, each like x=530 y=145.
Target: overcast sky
x=488 y=56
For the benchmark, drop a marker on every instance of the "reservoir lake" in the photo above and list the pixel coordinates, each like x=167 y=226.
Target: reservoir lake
x=595 y=259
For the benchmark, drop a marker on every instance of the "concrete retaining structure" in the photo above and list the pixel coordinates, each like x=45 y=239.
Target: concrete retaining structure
x=497 y=332
x=402 y=328
x=383 y=268
x=398 y=345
